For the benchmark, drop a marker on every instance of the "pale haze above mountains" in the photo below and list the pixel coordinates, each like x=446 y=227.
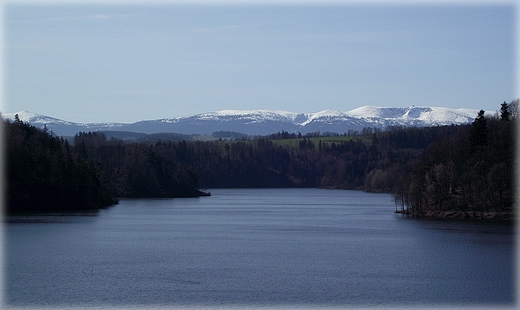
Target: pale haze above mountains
x=264 y=122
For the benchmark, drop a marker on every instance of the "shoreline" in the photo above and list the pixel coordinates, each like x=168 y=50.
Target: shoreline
x=504 y=216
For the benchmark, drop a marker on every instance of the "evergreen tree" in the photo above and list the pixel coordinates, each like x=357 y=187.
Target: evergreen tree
x=469 y=171
x=479 y=133
x=504 y=112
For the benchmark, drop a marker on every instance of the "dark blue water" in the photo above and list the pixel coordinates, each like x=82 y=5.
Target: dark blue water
x=252 y=247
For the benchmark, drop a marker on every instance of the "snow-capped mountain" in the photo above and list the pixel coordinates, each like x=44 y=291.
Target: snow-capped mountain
x=58 y=126
x=263 y=122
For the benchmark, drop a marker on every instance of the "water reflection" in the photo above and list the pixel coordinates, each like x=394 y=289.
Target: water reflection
x=64 y=217
x=257 y=247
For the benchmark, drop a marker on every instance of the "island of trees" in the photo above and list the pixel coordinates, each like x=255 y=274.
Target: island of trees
x=445 y=171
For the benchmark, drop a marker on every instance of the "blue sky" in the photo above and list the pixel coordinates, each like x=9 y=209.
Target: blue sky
x=125 y=63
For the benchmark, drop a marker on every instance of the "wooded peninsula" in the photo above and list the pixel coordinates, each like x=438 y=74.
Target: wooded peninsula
x=463 y=171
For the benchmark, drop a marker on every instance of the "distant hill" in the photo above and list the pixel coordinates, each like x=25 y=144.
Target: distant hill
x=264 y=122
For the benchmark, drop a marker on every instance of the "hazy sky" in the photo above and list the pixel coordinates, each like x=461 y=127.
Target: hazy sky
x=126 y=63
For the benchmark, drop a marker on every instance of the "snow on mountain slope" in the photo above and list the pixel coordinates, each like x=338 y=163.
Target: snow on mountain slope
x=430 y=115
x=444 y=115
x=250 y=115
x=33 y=118
x=376 y=112
x=325 y=116
x=261 y=122
x=24 y=116
x=58 y=126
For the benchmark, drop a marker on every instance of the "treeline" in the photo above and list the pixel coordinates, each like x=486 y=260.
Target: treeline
x=375 y=166
x=433 y=168
x=45 y=173
x=346 y=164
x=469 y=173
x=137 y=169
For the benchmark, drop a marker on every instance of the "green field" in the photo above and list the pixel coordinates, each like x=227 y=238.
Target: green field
x=324 y=140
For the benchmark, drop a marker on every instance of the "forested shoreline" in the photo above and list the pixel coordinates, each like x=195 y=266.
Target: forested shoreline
x=427 y=169
x=44 y=173
x=467 y=175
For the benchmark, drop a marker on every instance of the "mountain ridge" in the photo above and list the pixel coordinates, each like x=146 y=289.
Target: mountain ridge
x=263 y=122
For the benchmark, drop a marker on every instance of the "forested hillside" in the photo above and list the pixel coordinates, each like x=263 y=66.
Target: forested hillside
x=374 y=162
x=469 y=174
x=444 y=168
x=44 y=173
x=137 y=169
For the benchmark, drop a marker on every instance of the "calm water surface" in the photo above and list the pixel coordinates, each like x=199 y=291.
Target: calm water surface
x=270 y=247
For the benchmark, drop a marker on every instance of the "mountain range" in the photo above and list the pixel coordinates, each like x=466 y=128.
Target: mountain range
x=264 y=122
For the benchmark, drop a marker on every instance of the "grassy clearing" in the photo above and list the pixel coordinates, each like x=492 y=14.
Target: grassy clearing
x=367 y=139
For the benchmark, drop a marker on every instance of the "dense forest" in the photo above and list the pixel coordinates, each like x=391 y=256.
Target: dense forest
x=442 y=168
x=468 y=174
x=44 y=173
x=348 y=162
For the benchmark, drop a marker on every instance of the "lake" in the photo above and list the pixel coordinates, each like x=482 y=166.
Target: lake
x=256 y=247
